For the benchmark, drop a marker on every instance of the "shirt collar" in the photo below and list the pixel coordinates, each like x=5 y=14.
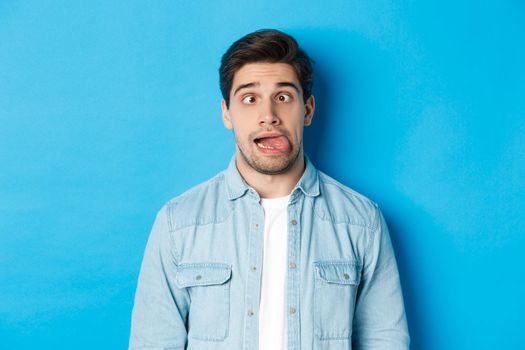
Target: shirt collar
x=237 y=187
x=309 y=182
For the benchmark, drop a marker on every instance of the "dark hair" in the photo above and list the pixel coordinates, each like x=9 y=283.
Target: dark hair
x=266 y=45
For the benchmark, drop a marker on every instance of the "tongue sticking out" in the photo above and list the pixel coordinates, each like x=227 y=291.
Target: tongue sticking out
x=273 y=144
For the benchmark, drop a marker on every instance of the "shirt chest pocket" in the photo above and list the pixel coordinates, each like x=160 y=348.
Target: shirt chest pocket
x=209 y=289
x=335 y=291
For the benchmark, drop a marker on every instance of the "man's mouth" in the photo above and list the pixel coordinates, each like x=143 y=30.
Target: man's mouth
x=272 y=144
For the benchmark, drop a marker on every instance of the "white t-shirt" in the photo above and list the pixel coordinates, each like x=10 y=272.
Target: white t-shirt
x=272 y=317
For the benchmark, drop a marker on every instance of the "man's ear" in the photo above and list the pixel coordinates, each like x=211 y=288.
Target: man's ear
x=309 y=107
x=226 y=120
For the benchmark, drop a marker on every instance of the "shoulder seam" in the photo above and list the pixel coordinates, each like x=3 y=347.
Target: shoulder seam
x=169 y=205
x=373 y=230
x=352 y=223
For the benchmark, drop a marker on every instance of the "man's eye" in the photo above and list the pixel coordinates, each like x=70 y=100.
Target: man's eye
x=284 y=98
x=248 y=100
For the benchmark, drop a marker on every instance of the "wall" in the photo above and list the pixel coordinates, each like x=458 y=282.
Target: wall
x=108 y=109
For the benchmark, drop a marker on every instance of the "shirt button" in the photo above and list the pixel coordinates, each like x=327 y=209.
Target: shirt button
x=292 y=310
x=293 y=266
x=294 y=222
x=256 y=226
x=198 y=277
x=250 y=313
x=254 y=268
x=346 y=276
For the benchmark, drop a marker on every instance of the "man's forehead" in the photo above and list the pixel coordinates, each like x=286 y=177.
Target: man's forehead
x=264 y=72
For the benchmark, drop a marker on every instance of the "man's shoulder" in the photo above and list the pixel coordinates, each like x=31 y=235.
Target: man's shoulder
x=342 y=204
x=199 y=205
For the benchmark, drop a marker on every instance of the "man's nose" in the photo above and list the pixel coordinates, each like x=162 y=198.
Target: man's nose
x=268 y=114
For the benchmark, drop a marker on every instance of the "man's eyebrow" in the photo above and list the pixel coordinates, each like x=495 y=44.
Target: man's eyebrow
x=290 y=84
x=254 y=84
x=244 y=86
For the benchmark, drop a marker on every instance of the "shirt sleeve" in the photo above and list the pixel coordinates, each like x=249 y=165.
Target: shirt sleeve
x=379 y=319
x=160 y=310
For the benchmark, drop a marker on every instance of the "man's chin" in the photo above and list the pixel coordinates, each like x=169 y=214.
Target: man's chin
x=272 y=171
x=275 y=166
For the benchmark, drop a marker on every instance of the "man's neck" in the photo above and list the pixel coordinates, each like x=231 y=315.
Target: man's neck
x=272 y=186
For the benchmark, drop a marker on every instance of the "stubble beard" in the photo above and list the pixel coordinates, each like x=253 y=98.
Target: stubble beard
x=272 y=165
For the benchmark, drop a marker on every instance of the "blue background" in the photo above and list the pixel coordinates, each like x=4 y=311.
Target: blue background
x=108 y=109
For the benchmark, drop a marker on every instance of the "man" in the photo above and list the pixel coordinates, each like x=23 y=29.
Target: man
x=270 y=253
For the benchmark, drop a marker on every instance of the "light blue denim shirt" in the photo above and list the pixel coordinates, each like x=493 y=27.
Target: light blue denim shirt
x=200 y=281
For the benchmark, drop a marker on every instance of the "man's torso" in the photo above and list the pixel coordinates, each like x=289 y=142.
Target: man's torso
x=217 y=233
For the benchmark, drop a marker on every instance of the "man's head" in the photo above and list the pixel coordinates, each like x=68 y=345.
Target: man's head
x=266 y=81
x=267 y=45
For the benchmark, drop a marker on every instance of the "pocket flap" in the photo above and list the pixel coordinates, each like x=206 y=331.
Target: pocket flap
x=340 y=272
x=202 y=274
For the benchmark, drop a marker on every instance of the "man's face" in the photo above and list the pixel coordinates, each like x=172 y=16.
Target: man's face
x=267 y=114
